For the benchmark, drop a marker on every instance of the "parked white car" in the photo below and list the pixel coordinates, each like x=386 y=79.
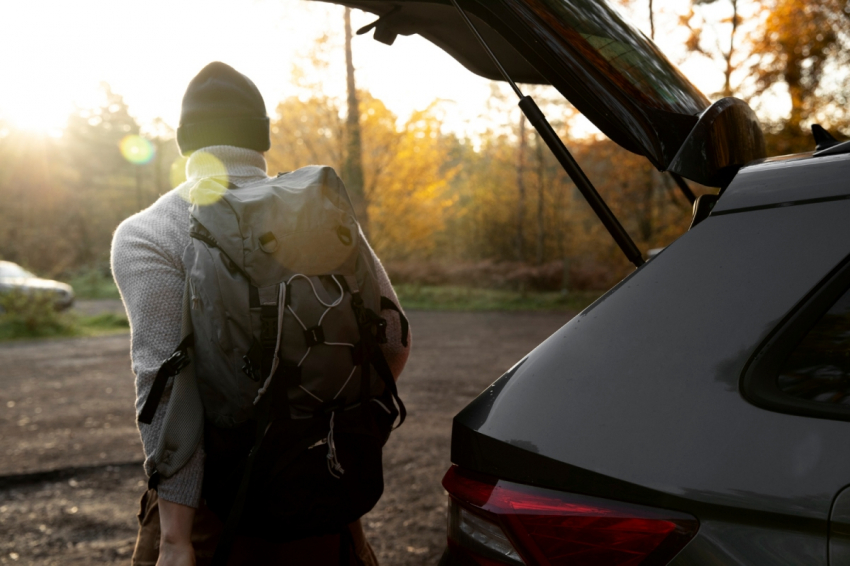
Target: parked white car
x=14 y=277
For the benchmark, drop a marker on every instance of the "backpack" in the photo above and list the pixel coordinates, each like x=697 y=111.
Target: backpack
x=281 y=354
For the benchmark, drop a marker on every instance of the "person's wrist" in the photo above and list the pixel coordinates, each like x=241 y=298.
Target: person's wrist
x=176 y=537
x=180 y=553
x=175 y=522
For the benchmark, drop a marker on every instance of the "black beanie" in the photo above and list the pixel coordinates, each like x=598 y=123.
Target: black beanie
x=222 y=107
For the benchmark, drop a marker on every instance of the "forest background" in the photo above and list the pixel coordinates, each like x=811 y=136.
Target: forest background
x=492 y=210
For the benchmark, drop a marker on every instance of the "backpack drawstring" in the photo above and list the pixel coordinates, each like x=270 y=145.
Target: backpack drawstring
x=333 y=462
x=281 y=301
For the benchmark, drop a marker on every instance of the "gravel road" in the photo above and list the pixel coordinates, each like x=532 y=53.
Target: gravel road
x=70 y=476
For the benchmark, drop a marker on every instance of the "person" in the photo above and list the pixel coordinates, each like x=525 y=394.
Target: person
x=224 y=131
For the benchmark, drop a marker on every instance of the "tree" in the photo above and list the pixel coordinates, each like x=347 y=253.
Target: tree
x=406 y=180
x=802 y=48
x=306 y=132
x=722 y=48
x=410 y=199
x=352 y=171
x=520 y=185
x=541 y=195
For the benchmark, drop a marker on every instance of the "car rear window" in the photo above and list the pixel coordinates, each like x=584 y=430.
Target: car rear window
x=818 y=369
x=622 y=52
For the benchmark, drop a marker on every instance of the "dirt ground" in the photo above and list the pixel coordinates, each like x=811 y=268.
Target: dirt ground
x=70 y=472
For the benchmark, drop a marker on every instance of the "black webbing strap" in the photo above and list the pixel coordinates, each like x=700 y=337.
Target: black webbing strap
x=169 y=368
x=228 y=535
x=268 y=327
x=388 y=304
x=367 y=352
x=365 y=381
x=379 y=362
x=346 y=542
x=273 y=403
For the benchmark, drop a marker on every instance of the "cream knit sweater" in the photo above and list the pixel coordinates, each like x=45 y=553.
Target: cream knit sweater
x=147 y=262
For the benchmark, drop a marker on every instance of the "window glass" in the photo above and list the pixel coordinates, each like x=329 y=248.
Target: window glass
x=818 y=369
x=8 y=269
x=622 y=52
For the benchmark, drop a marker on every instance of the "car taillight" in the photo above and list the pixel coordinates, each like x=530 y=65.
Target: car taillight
x=493 y=522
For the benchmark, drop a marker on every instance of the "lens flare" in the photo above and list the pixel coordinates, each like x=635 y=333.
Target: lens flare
x=206 y=192
x=177 y=175
x=136 y=149
x=210 y=189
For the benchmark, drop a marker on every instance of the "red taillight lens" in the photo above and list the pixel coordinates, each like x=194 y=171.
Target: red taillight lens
x=547 y=527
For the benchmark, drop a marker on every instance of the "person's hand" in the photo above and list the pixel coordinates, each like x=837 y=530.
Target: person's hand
x=175 y=543
x=176 y=554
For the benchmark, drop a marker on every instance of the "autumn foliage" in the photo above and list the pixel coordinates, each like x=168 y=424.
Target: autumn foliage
x=495 y=210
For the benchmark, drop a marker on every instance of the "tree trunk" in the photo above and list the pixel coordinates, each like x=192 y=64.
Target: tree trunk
x=352 y=173
x=541 y=191
x=727 y=85
x=520 y=183
x=651 y=22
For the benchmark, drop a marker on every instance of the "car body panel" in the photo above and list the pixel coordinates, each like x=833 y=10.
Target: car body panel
x=637 y=398
x=839 y=529
x=799 y=179
x=678 y=359
x=606 y=68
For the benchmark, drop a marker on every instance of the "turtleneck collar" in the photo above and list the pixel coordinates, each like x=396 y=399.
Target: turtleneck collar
x=237 y=165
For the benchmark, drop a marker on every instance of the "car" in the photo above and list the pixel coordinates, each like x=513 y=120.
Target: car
x=697 y=413
x=13 y=278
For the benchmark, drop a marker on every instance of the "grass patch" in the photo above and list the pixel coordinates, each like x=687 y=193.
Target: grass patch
x=27 y=316
x=427 y=297
x=65 y=325
x=104 y=323
x=94 y=284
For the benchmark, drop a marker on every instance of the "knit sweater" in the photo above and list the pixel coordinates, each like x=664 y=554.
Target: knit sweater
x=147 y=263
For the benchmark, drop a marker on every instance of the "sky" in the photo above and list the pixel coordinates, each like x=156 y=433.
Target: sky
x=57 y=52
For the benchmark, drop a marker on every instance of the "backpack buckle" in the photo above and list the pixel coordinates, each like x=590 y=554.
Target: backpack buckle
x=381 y=330
x=315 y=335
x=175 y=363
x=248 y=369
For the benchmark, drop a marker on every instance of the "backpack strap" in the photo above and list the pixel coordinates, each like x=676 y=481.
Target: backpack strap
x=183 y=423
x=266 y=299
x=231 y=526
x=273 y=404
x=387 y=304
x=382 y=368
x=172 y=366
x=368 y=352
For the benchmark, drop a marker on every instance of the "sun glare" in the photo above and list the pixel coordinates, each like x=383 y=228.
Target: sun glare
x=36 y=115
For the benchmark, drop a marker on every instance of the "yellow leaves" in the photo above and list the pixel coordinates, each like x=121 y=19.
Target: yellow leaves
x=409 y=195
x=406 y=176
x=306 y=132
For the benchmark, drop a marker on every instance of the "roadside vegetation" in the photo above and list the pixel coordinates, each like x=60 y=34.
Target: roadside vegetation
x=24 y=316
x=437 y=298
x=27 y=316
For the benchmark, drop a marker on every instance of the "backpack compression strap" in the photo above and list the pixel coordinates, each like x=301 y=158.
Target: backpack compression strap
x=368 y=353
x=169 y=368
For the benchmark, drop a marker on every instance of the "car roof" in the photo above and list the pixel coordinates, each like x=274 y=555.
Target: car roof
x=787 y=181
